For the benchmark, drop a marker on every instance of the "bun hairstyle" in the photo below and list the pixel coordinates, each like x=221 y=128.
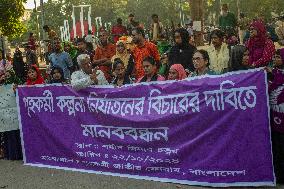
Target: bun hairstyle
x=151 y=60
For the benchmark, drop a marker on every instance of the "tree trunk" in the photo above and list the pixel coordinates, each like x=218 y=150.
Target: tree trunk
x=197 y=15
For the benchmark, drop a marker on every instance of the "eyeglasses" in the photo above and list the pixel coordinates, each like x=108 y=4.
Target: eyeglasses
x=197 y=58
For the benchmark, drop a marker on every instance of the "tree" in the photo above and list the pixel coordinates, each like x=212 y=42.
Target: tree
x=10 y=13
x=197 y=15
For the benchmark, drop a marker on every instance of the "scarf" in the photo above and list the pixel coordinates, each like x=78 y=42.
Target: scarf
x=122 y=56
x=181 y=72
x=39 y=79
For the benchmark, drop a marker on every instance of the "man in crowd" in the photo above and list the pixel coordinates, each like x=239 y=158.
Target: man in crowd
x=243 y=25
x=118 y=30
x=142 y=50
x=189 y=27
x=90 y=41
x=82 y=49
x=131 y=24
x=156 y=28
x=86 y=76
x=32 y=41
x=31 y=58
x=103 y=54
x=51 y=33
x=61 y=59
x=227 y=20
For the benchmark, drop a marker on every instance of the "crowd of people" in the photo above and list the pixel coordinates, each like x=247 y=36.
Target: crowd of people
x=126 y=55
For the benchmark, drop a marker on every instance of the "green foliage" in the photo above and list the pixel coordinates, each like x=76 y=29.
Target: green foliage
x=58 y=11
x=251 y=8
x=10 y=13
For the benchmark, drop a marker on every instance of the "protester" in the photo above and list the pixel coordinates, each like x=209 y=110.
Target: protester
x=19 y=66
x=132 y=24
x=201 y=61
x=61 y=59
x=261 y=49
x=218 y=52
x=51 y=33
x=70 y=49
x=125 y=56
x=118 y=30
x=189 y=27
x=150 y=70
x=32 y=41
x=236 y=58
x=34 y=76
x=103 y=54
x=227 y=20
x=121 y=76
x=142 y=50
x=31 y=57
x=277 y=117
x=11 y=140
x=280 y=30
x=177 y=72
x=157 y=28
x=57 y=75
x=89 y=39
x=87 y=76
x=243 y=26
x=82 y=49
x=182 y=51
x=4 y=65
x=278 y=59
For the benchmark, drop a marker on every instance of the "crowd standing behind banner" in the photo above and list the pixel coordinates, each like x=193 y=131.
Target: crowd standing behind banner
x=134 y=58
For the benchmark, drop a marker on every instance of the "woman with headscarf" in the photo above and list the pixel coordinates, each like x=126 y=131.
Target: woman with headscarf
x=11 y=140
x=261 y=48
x=34 y=76
x=18 y=65
x=57 y=75
x=182 y=51
x=126 y=57
x=177 y=72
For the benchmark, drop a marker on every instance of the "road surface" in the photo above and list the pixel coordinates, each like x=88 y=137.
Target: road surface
x=14 y=175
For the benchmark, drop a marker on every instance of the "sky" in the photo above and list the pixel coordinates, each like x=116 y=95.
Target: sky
x=30 y=4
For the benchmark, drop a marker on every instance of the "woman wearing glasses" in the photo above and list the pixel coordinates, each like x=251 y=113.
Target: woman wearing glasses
x=201 y=62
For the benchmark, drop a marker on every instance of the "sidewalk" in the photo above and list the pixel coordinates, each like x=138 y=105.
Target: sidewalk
x=14 y=175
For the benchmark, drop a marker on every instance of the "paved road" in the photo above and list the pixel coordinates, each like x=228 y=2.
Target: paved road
x=13 y=175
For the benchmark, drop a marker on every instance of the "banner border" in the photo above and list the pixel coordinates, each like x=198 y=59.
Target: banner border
x=21 y=127
x=269 y=123
x=164 y=180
